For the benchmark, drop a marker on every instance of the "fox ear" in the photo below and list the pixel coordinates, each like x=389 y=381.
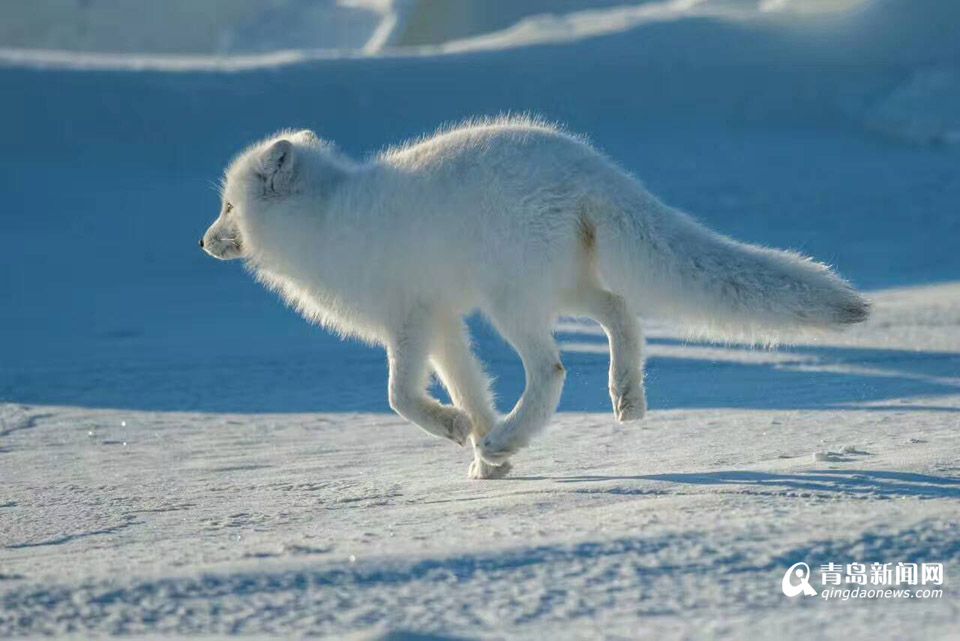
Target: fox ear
x=277 y=166
x=308 y=136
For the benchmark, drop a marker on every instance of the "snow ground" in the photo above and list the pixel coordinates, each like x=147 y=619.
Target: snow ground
x=131 y=522
x=181 y=455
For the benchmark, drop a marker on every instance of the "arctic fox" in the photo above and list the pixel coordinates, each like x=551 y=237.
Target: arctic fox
x=517 y=219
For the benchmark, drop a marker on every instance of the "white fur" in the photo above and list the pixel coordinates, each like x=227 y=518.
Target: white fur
x=521 y=221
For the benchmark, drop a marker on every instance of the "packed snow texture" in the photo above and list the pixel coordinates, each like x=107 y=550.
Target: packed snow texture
x=179 y=454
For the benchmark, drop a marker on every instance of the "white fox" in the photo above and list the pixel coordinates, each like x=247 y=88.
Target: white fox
x=521 y=221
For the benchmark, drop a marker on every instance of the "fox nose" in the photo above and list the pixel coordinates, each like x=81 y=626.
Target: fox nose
x=201 y=242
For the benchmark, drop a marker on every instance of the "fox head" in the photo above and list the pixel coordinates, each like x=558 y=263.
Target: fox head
x=262 y=185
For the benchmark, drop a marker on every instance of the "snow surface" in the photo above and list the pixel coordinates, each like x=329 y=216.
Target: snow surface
x=179 y=454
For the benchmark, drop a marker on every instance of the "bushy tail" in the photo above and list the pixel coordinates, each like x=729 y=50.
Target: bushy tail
x=667 y=264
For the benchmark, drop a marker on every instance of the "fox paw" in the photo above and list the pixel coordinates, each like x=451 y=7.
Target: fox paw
x=495 y=451
x=459 y=428
x=631 y=406
x=480 y=469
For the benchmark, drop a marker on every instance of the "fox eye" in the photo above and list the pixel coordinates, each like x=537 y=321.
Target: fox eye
x=227 y=208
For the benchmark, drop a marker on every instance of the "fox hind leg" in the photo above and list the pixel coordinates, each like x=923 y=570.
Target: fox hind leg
x=626 y=349
x=544 y=376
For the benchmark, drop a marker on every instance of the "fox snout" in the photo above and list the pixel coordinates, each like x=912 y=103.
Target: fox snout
x=220 y=247
x=223 y=240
